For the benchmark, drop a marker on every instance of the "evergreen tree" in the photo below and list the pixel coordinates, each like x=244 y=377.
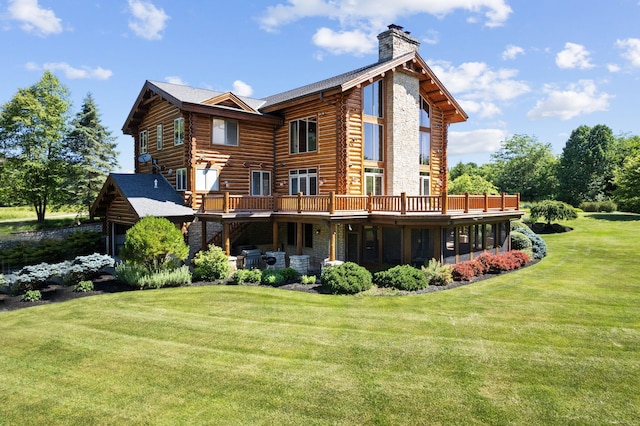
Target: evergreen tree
x=36 y=155
x=95 y=149
x=587 y=165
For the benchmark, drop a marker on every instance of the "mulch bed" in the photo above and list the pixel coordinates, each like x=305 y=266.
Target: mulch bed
x=106 y=284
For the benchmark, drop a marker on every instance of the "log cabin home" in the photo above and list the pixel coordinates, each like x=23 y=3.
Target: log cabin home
x=351 y=168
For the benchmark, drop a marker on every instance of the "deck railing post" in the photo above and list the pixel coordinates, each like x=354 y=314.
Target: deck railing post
x=275 y=202
x=369 y=203
x=225 y=202
x=299 y=202
x=517 y=201
x=466 y=202
x=202 y=202
x=502 y=201
x=486 y=202
x=332 y=202
x=445 y=202
x=403 y=203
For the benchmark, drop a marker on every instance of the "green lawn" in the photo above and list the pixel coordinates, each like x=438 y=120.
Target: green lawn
x=555 y=343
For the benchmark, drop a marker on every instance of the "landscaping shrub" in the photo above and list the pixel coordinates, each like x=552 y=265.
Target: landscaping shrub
x=437 y=273
x=290 y=274
x=347 y=278
x=137 y=276
x=401 y=277
x=552 y=210
x=478 y=268
x=272 y=277
x=538 y=246
x=246 y=276
x=83 y=286
x=520 y=258
x=154 y=243
x=463 y=271
x=308 y=279
x=85 y=267
x=519 y=241
x=31 y=296
x=211 y=264
x=607 y=206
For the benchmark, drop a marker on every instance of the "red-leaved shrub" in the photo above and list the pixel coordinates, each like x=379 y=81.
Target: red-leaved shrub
x=520 y=257
x=462 y=271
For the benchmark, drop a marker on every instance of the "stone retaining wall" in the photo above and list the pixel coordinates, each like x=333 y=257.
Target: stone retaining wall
x=47 y=234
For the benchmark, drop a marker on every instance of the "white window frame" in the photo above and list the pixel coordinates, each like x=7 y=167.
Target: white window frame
x=425 y=185
x=294 y=135
x=159 y=137
x=144 y=142
x=376 y=176
x=207 y=179
x=264 y=183
x=181 y=179
x=178 y=131
x=303 y=177
x=228 y=133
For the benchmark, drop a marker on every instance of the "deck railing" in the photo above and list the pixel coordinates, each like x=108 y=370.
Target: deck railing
x=332 y=203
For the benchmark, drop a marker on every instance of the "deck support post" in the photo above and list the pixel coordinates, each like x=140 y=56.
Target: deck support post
x=275 y=235
x=203 y=234
x=226 y=234
x=332 y=242
x=299 y=231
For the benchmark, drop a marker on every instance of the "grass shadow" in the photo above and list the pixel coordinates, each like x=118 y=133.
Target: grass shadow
x=614 y=217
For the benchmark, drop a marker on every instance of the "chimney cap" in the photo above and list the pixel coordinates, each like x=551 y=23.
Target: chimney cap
x=395 y=27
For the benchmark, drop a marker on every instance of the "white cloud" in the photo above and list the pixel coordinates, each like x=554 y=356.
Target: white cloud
x=241 y=88
x=573 y=56
x=481 y=109
x=147 y=20
x=613 y=68
x=512 y=51
x=476 y=80
x=377 y=13
x=475 y=141
x=338 y=43
x=70 y=72
x=630 y=50
x=174 y=79
x=577 y=99
x=34 y=18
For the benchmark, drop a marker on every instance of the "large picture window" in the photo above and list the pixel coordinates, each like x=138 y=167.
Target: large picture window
x=303 y=135
x=372 y=99
x=425 y=148
x=373 y=137
x=260 y=183
x=225 y=132
x=178 y=131
x=206 y=179
x=305 y=181
x=144 y=141
x=181 y=180
x=425 y=113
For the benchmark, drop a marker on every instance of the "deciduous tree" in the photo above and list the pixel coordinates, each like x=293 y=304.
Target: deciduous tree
x=627 y=180
x=33 y=126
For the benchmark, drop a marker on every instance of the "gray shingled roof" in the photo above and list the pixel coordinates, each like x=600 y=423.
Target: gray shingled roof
x=329 y=83
x=149 y=200
x=197 y=96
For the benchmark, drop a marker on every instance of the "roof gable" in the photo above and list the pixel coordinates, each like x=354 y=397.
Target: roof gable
x=146 y=194
x=229 y=100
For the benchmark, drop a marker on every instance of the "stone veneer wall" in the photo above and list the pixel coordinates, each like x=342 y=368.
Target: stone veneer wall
x=402 y=147
x=194 y=237
x=47 y=234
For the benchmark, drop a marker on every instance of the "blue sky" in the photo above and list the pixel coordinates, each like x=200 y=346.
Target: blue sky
x=540 y=68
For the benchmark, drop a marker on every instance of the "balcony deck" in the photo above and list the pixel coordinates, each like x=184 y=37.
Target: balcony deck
x=346 y=205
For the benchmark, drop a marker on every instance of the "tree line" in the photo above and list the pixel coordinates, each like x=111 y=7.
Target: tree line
x=594 y=166
x=47 y=157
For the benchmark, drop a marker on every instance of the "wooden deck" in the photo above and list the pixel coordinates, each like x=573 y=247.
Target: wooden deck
x=333 y=203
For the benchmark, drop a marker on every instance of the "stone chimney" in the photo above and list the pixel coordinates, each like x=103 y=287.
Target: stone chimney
x=395 y=42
